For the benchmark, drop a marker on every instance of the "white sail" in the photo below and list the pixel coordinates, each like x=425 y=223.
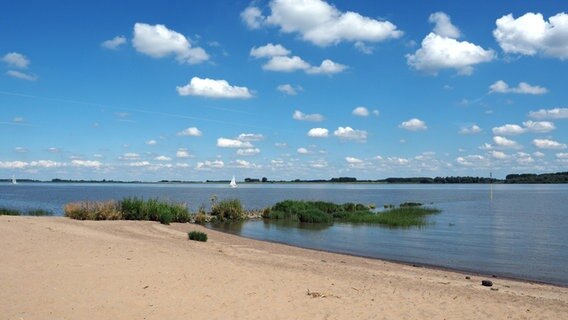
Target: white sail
x=14 y=180
x=233 y=183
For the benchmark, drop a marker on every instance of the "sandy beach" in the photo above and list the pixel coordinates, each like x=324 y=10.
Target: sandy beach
x=57 y=268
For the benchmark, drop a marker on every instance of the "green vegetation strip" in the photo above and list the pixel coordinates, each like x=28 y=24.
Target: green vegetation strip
x=407 y=215
x=13 y=212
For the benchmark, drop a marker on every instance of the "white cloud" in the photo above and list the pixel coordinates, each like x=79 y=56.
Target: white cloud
x=321 y=23
x=505 y=143
x=360 y=111
x=192 y=132
x=211 y=88
x=562 y=156
x=413 y=125
x=438 y=52
x=397 y=161
x=129 y=156
x=151 y=142
x=556 y=113
x=13 y=164
x=233 y=143
x=268 y=51
x=182 y=153
x=318 y=133
x=327 y=67
x=318 y=164
x=498 y=154
x=53 y=150
x=303 y=150
x=363 y=48
x=158 y=41
x=376 y=112
x=47 y=164
x=288 y=89
x=20 y=150
x=443 y=25
x=139 y=164
x=248 y=152
x=208 y=165
x=250 y=137
x=252 y=17
x=299 y=115
x=472 y=160
x=523 y=88
x=539 y=126
x=22 y=75
x=352 y=160
x=114 y=43
x=16 y=60
x=163 y=158
x=538 y=154
x=508 y=129
x=473 y=129
x=350 y=133
x=548 y=144
x=86 y=163
x=286 y=64
x=530 y=34
x=245 y=164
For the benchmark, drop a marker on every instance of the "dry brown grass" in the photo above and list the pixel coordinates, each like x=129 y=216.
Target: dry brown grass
x=93 y=210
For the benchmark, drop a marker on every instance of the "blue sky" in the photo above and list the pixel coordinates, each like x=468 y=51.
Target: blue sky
x=284 y=89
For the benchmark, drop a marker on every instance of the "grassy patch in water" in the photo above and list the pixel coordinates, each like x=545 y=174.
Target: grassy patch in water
x=312 y=211
x=403 y=217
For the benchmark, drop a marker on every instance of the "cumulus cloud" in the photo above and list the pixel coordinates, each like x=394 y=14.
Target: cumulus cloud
x=318 y=133
x=286 y=64
x=208 y=165
x=443 y=25
x=556 y=113
x=163 y=158
x=320 y=23
x=248 y=152
x=13 y=164
x=439 y=52
x=114 y=43
x=250 y=137
x=289 y=89
x=318 y=164
x=268 y=51
x=523 y=88
x=473 y=129
x=158 y=41
x=539 y=126
x=129 y=156
x=352 y=160
x=32 y=164
x=505 y=143
x=253 y=18
x=191 y=132
x=548 y=144
x=299 y=115
x=86 y=163
x=350 y=134
x=472 y=160
x=413 y=125
x=508 y=129
x=303 y=150
x=327 y=67
x=22 y=75
x=498 y=154
x=530 y=34
x=139 y=164
x=151 y=142
x=360 y=111
x=182 y=153
x=211 y=88
x=16 y=60
x=245 y=164
x=233 y=143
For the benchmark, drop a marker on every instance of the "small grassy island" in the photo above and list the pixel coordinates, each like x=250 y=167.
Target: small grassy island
x=406 y=215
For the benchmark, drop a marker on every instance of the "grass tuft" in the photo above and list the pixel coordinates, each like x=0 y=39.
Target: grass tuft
x=197 y=236
x=230 y=209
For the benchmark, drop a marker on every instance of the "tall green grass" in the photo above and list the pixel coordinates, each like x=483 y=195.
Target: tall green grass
x=402 y=217
x=312 y=211
x=128 y=209
x=230 y=209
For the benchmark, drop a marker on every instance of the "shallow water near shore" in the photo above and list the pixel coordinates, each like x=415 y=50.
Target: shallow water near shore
x=520 y=233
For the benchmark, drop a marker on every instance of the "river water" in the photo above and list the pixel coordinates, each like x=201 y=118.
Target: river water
x=520 y=232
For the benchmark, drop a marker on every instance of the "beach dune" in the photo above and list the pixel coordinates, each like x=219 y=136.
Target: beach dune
x=57 y=268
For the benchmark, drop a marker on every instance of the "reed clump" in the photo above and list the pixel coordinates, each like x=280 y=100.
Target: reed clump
x=401 y=217
x=128 y=209
x=229 y=209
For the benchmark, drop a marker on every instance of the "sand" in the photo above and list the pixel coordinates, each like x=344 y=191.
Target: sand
x=57 y=268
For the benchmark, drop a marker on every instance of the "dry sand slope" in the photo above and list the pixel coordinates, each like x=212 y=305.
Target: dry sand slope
x=56 y=268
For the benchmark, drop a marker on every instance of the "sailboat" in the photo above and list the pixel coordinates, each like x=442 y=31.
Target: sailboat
x=14 y=180
x=233 y=183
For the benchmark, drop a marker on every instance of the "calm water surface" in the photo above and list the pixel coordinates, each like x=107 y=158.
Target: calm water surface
x=521 y=233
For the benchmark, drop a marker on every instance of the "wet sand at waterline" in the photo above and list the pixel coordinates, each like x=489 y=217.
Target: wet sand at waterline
x=57 y=268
